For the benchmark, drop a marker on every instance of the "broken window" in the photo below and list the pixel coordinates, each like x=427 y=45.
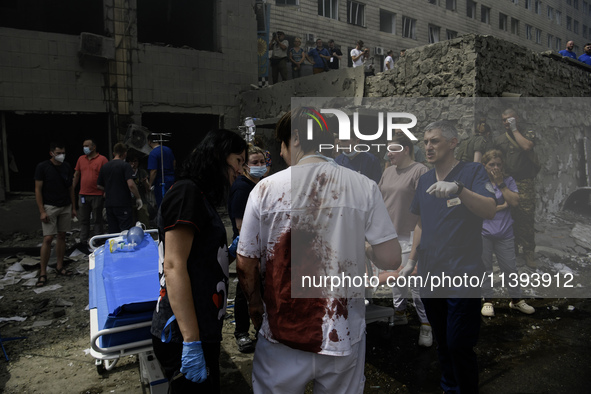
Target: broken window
x=387 y=22
x=54 y=16
x=409 y=26
x=177 y=23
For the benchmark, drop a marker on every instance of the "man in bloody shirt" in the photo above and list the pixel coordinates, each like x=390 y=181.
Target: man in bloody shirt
x=301 y=226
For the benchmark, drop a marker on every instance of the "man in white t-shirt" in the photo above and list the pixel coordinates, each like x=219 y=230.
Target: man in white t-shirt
x=388 y=61
x=357 y=54
x=311 y=220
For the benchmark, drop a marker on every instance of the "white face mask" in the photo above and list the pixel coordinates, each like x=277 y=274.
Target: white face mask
x=61 y=157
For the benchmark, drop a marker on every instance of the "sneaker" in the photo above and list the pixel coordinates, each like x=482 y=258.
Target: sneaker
x=425 y=335
x=245 y=344
x=488 y=309
x=522 y=306
x=400 y=318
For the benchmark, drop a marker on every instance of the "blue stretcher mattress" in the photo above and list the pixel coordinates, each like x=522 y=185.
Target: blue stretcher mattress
x=124 y=288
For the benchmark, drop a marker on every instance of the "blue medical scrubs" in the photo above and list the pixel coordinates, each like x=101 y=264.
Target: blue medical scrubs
x=451 y=244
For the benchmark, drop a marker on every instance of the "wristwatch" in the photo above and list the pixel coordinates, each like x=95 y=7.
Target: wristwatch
x=460 y=187
x=502 y=185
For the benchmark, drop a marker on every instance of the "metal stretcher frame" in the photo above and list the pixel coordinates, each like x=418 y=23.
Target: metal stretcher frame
x=106 y=357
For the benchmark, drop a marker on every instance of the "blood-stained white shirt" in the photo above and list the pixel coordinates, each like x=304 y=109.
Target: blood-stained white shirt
x=312 y=220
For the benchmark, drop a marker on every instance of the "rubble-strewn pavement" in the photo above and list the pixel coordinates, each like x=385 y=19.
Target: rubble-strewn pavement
x=547 y=352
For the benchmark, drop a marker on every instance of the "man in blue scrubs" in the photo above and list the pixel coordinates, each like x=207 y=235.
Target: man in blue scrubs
x=451 y=200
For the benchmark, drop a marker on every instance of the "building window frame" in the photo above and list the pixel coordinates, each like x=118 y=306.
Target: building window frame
x=328 y=9
x=355 y=13
x=409 y=27
x=502 y=21
x=471 y=9
x=387 y=27
x=434 y=34
x=485 y=14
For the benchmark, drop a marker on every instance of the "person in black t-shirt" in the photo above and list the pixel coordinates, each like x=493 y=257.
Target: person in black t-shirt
x=187 y=323
x=241 y=188
x=115 y=179
x=335 y=55
x=55 y=199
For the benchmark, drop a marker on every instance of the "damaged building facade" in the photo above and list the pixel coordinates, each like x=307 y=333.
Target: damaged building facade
x=71 y=70
x=394 y=25
x=479 y=67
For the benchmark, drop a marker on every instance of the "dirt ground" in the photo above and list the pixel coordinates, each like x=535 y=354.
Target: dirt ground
x=548 y=352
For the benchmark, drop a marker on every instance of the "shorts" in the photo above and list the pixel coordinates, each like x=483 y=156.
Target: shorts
x=277 y=368
x=60 y=219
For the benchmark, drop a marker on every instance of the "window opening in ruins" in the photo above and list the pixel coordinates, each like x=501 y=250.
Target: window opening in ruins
x=178 y=23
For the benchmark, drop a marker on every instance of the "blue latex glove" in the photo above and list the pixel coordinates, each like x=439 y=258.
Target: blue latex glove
x=193 y=362
x=233 y=247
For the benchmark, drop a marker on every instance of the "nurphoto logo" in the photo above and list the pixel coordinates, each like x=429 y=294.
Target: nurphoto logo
x=344 y=132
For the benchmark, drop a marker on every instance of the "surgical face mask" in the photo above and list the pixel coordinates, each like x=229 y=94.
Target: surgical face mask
x=61 y=157
x=257 y=171
x=87 y=150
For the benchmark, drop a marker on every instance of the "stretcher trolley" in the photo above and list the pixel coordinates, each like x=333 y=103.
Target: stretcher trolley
x=123 y=291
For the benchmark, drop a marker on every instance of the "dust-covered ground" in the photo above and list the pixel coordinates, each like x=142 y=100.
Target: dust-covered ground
x=547 y=352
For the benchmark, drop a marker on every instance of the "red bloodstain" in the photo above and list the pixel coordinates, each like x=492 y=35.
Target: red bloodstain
x=295 y=322
x=333 y=336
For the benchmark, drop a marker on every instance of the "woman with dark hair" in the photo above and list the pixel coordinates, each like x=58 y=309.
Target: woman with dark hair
x=187 y=322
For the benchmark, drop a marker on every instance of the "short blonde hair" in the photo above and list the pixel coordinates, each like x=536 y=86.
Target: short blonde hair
x=253 y=150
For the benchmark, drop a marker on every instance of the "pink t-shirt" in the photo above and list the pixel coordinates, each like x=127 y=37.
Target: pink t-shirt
x=398 y=190
x=89 y=172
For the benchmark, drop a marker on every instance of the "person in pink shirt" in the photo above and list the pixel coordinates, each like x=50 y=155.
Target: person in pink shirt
x=86 y=172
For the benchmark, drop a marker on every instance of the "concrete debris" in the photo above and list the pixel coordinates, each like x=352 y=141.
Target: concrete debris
x=582 y=235
x=47 y=288
x=16 y=267
x=62 y=302
x=42 y=323
x=29 y=262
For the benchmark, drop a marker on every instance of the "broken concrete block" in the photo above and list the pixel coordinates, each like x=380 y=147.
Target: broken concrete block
x=581 y=233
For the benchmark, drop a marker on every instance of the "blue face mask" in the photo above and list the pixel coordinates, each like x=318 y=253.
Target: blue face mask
x=87 y=150
x=257 y=171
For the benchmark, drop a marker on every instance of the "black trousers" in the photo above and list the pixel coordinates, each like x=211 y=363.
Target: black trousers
x=169 y=355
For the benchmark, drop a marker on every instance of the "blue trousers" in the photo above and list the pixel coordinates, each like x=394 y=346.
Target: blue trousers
x=456 y=323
